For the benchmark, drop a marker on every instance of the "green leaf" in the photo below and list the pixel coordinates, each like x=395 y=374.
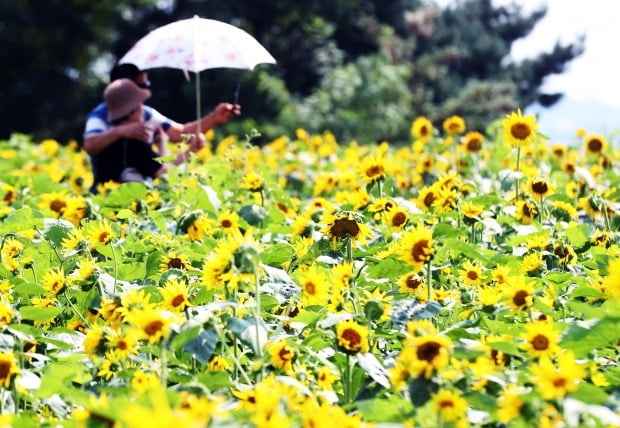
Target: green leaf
x=34 y=313
x=586 y=292
x=445 y=230
x=590 y=394
x=124 y=214
x=159 y=220
x=421 y=389
x=277 y=254
x=247 y=331
x=372 y=310
x=394 y=409
x=56 y=234
x=508 y=348
x=253 y=214
x=170 y=274
x=215 y=380
x=60 y=377
x=124 y=195
x=388 y=268
x=22 y=219
x=588 y=336
x=577 y=235
x=201 y=347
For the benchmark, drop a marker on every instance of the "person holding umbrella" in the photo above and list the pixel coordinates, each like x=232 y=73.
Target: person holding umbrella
x=100 y=132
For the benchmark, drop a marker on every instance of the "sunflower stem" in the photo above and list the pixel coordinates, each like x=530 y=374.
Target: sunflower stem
x=517 y=178
x=257 y=315
x=429 y=279
x=115 y=265
x=80 y=316
x=347 y=380
x=607 y=223
x=349 y=250
x=163 y=365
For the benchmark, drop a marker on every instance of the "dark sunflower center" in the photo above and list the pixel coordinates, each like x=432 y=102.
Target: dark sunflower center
x=153 y=327
x=473 y=275
x=226 y=223
x=5 y=369
x=424 y=130
x=520 y=297
x=595 y=145
x=429 y=199
x=561 y=252
x=344 y=227
x=419 y=251
x=540 y=187
x=444 y=404
x=540 y=342
x=104 y=237
x=285 y=354
x=527 y=210
x=520 y=130
x=399 y=219
x=374 y=171
x=559 y=382
x=178 y=300
x=474 y=144
x=428 y=351
x=58 y=206
x=175 y=263
x=310 y=288
x=352 y=337
x=413 y=283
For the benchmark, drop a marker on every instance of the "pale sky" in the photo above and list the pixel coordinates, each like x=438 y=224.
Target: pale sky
x=595 y=74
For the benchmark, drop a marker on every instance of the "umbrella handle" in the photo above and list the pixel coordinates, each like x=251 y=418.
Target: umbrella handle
x=236 y=95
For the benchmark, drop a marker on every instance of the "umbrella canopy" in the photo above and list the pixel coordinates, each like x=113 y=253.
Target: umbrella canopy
x=197 y=44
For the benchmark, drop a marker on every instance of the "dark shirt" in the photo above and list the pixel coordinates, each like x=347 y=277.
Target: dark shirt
x=125 y=153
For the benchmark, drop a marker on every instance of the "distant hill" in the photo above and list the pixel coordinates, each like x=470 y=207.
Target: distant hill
x=561 y=121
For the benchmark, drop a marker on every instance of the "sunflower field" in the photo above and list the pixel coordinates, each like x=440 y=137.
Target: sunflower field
x=464 y=279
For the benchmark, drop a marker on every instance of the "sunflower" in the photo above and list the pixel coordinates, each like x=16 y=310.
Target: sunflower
x=198 y=229
x=175 y=293
x=422 y=129
x=228 y=222
x=99 y=232
x=373 y=169
x=123 y=343
x=326 y=377
x=314 y=286
x=425 y=354
x=397 y=218
x=532 y=263
x=526 y=211
x=8 y=193
x=86 y=267
x=559 y=150
x=6 y=312
x=471 y=274
x=540 y=339
x=595 y=144
x=565 y=254
x=519 y=130
x=174 y=260
x=381 y=205
x=153 y=325
x=142 y=381
x=55 y=202
x=218 y=364
x=352 y=337
x=519 y=292
x=54 y=281
x=253 y=181
x=611 y=282
x=8 y=368
x=509 y=403
x=345 y=225
x=416 y=246
x=411 y=283
x=556 y=380
x=76 y=210
x=539 y=187
x=450 y=405
x=282 y=355
x=111 y=365
x=563 y=211
x=471 y=212
x=427 y=197
x=454 y=125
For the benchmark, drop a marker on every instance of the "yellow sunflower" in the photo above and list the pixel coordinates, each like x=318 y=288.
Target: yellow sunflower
x=397 y=218
x=426 y=354
x=54 y=281
x=282 y=355
x=540 y=339
x=99 y=232
x=539 y=187
x=454 y=125
x=416 y=246
x=471 y=273
x=450 y=405
x=352 y=337
x=373 y=169
x=314 y=286
x=253 y=181
x=175 y=293
x=519 y=292
x=519 y=130
x=595 y=144
x=345 y=225
x=526 y=211
x=556 y=380
x=174 y=260
x=153 y=324
x=422 y=129
x=8 y=368
x=228 y=222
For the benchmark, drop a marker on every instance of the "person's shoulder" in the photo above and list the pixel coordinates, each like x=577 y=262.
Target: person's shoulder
x=100 y=111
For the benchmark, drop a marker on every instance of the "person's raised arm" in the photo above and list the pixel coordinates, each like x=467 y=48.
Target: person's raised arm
x=95 y=143
x=222 y=113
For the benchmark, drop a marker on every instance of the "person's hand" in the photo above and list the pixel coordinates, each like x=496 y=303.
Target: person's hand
x=136 y=131
x=224 y=112
x=197 y=143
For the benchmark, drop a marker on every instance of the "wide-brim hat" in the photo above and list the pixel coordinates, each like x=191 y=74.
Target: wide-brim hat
x=123 y=96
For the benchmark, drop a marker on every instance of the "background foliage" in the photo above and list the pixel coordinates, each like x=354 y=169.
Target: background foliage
x=362 y=69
